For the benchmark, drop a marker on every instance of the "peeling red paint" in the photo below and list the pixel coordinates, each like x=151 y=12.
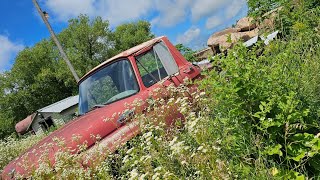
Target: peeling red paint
x=22 y=126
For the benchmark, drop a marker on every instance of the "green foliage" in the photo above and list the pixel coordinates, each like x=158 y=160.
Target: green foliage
x=11 y=147
x=87 y=44
x=187 y=52
x=299 y=16
x=128 y=35
x=259 y=7
x=101 y=91
x=266 y=101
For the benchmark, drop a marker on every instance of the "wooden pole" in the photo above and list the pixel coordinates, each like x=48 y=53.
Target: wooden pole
x=55 y=39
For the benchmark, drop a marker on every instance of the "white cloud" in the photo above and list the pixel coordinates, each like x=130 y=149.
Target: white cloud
x=202 y=8
x=234 y=8
x=213 y=22
x=119 y=11
x=230 y=12
x=190 y=35
x=171 y=12
x=66 y=9
x=116 y=11
x=8 y=50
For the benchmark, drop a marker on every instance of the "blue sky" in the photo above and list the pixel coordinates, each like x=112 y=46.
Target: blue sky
x=190 y=22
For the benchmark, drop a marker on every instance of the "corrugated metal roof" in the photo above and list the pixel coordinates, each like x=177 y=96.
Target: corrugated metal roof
x=64 y=104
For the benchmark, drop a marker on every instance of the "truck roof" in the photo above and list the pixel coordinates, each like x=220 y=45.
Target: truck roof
x=126 y=54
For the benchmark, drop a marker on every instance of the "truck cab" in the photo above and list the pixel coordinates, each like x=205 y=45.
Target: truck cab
x=104 y=93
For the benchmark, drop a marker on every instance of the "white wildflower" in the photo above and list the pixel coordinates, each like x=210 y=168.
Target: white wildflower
x=184 y=162
x=173 y=141
x=200 y=148
x=204 y=150
x=158 y=169
x=130 y=150
x=193 y=154
x=156 y=176
x=148 y=134
x=143 y=176
x=167 y=175
x=177 y=147
x=125 y=159
x=133 y=174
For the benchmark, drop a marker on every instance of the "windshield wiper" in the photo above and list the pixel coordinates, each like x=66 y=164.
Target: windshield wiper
x=98 y=106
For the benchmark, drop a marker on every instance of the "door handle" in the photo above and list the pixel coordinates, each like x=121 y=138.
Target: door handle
x=124 y=117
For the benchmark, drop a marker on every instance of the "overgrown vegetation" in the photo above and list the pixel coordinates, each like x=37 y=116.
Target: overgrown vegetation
x=256 y=119
x=187 y=52
x=179 y=152
x=266 y=99
x=12 y=147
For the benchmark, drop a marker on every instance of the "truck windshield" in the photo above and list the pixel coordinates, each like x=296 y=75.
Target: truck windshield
x=109 y=84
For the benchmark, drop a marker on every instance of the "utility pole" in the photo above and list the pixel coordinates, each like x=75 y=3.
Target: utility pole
x=55 y=39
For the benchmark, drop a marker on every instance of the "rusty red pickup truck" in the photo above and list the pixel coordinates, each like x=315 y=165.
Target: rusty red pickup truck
x=105 y=91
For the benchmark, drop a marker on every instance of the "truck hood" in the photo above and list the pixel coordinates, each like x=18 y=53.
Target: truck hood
x=82 y=130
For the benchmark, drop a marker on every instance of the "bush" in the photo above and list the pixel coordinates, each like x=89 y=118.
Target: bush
x=266 y=101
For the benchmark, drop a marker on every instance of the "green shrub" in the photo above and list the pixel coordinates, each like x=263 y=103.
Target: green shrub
x=266 y=101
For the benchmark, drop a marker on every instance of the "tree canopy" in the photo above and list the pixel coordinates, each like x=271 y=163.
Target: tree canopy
x=128 y=35
x=187 y=52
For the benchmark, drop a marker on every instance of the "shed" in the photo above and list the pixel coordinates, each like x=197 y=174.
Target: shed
x=55 y=114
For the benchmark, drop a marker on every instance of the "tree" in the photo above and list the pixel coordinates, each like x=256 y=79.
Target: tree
x=32 y=84
x=129 y=35
x=6 y=122
x=187 y=52
x=87 y=43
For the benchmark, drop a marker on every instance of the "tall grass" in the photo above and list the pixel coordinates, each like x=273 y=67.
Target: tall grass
x=12 y=147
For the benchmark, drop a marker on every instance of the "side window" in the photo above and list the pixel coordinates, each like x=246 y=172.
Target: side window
x=150 y=67
x=166 y=58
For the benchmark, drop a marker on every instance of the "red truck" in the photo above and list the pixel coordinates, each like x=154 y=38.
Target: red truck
x=104 y=93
